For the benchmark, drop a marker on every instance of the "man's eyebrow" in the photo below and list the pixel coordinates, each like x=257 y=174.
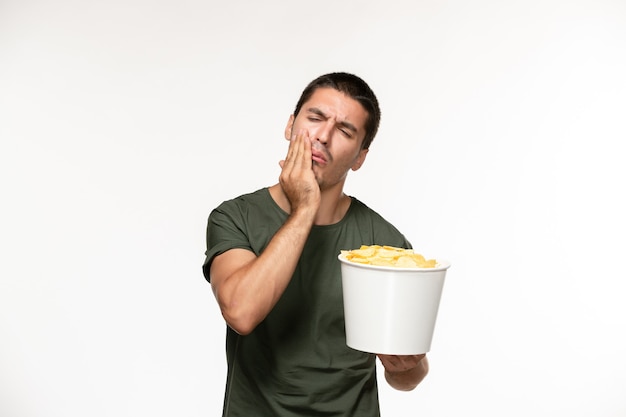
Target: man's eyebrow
x=343 y=123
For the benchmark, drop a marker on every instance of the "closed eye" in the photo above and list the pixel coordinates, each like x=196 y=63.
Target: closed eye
x=348 y=129
x=316 y=115
x=346 y=132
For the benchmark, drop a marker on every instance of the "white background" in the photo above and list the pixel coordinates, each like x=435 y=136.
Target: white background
x=123 y=123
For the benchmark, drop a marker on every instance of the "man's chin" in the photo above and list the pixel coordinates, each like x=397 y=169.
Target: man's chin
x=318 y=175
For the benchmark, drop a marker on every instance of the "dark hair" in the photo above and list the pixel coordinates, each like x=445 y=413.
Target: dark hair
x=355 y=88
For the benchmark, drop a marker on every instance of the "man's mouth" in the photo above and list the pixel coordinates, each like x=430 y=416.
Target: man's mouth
x=318 y=157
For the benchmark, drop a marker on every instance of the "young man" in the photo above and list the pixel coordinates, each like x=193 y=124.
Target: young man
x=272 y=263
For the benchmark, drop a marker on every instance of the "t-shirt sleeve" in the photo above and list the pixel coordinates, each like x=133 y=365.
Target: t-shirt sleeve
x=225 y=231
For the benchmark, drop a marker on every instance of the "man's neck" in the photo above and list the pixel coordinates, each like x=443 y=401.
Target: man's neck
x=333 y=207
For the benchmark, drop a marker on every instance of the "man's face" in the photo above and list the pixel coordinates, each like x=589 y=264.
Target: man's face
x=336 y=125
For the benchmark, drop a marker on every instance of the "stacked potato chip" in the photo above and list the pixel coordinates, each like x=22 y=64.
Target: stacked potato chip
x=388 y=256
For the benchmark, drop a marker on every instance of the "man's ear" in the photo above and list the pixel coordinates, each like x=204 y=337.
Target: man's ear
x=360 y=159
x=289 y=127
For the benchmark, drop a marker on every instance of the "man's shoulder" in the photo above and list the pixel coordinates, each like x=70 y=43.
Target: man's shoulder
x=381 y=229
x=257 y=197
x=359 y=208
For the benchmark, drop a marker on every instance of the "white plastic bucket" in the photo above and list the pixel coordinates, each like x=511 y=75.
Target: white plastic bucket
x=391 y=310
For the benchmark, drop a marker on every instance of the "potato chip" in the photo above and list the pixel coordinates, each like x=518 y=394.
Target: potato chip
x=388 y=256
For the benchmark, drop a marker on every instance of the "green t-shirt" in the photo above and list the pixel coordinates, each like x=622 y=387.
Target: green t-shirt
x=296 y=362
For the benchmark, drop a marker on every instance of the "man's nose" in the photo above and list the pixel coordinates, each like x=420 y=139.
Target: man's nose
x=323 y=132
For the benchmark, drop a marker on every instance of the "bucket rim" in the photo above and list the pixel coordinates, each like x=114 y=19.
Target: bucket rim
x=441 y=265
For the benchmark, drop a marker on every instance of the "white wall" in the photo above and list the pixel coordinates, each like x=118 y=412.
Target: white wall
x=123 y=123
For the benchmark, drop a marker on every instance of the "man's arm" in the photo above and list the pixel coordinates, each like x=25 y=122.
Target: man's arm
x=404 y=373
x=246 y=286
